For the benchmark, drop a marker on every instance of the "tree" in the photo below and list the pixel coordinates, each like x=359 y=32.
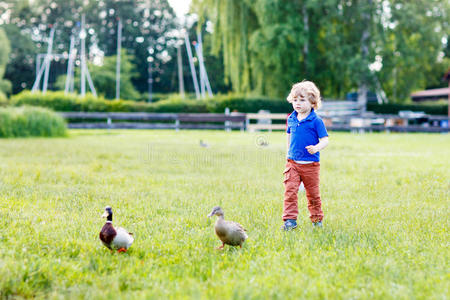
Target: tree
x=21 y=66
x=5 y=48
x=148 y=29
x=104 y=77
x=269 y=44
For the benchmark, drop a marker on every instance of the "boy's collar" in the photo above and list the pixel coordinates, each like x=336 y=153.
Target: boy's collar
x=311 y=115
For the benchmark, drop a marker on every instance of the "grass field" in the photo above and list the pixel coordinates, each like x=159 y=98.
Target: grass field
x=385 y=199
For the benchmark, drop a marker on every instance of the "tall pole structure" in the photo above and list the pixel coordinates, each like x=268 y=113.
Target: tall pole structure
x=200 y=69
x=202 y=64
x=46 y=64
x=180 y=72
x=191 y=64
x=48 y=58
x=150 y=79
x=83 y=56
x=69 y=75
x=119 y=47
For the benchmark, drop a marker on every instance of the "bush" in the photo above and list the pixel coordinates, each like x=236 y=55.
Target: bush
x=174 y=104
x=30 y=121
x=393 y=108
x=3 y=99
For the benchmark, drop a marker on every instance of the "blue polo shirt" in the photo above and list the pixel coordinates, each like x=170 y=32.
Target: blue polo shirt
x=304 y=133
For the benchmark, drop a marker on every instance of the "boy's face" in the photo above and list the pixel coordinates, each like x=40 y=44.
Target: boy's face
x=301 y=105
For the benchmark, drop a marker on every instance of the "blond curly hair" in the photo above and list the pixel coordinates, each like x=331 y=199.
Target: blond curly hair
x=308 y=90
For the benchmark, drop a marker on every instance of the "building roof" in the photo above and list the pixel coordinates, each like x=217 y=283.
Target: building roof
x=433 y=93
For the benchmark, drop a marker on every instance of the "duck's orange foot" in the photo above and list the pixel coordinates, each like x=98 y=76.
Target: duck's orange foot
x=221 y=247
x=122 y=250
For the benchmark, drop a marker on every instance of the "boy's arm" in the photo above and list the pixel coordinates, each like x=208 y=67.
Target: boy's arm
x=323 y=142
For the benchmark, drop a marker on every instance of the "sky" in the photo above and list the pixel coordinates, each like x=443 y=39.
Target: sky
x=181 y=7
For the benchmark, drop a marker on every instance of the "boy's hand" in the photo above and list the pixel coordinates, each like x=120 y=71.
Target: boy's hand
x=312 y=149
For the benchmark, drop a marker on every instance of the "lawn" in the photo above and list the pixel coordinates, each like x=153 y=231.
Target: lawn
x=385 y=199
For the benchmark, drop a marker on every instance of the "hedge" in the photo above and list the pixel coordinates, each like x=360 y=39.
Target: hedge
x=30 y=121
x=58 y=101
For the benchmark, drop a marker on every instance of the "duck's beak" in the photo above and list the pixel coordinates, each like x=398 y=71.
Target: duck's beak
x=211 y=214
x=105 y=214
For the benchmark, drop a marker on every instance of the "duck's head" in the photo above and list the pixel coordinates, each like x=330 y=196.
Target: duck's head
x=108 y=213
x=217 y=211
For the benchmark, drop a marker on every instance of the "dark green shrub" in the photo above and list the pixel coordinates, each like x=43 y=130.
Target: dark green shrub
x=174 y=104
x=30 y=121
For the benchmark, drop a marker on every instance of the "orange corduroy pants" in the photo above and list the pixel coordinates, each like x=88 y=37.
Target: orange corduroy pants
x=294 y=174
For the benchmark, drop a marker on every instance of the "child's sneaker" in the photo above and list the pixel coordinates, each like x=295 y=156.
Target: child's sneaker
x=289 y=225
x=317 y=224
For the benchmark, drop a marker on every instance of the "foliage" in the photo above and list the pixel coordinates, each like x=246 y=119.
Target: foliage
x=5 y=48
x=21 y=67
x=384 y=234
x=71 y=102
x=146 y=25
x=270 y=44
x=30 y=121
x=104 y=77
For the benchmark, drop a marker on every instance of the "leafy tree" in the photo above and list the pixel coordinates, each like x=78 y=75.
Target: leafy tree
x=148 y=30
x=146 y=25
x=5 y=86
x=104 y=78
x=21 y=67
x=269 y=44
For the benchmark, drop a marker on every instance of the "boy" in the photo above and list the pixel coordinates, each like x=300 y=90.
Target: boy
x=306 y=136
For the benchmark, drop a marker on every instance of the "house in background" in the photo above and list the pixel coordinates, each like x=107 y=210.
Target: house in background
x=433 y=94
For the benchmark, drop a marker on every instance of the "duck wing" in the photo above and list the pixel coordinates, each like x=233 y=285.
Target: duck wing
x=123 y=239
x=236 y=232
x=107 y=234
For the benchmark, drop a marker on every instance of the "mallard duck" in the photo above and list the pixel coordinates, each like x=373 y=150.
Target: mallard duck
x=230 y=233
x=114 y=238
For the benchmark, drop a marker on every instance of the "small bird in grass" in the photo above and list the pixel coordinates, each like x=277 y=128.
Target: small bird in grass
x=203 y=144
x=230 y=233
x=114 y=238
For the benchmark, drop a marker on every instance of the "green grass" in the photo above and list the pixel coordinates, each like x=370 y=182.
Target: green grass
x=385 y=199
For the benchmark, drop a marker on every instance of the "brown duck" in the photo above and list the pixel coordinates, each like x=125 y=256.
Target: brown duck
x=230 y=233
x=114 y=238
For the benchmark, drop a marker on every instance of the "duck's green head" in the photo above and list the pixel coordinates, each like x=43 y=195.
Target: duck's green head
x=217 y=211
x=108 y=213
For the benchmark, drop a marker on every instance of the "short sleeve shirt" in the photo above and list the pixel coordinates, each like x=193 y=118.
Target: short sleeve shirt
x=305 y=133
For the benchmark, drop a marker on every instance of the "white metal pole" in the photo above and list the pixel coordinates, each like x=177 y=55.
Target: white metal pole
x=48 y=59
x=200 y=69
x=150 y=79
x=83 y=56
x=202 y=64
x=180 y=72
x=119 y=46
x=69 y=65
x=91 y=84
x=38 y=78
x=191 y=64
x=44 y=65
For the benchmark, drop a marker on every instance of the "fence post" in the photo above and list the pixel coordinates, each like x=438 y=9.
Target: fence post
x=227 y=123
x=177 y=124
x=108 y=121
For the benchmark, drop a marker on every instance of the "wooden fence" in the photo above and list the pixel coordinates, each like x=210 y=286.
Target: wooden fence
x=342 y=116
x=91 y=120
